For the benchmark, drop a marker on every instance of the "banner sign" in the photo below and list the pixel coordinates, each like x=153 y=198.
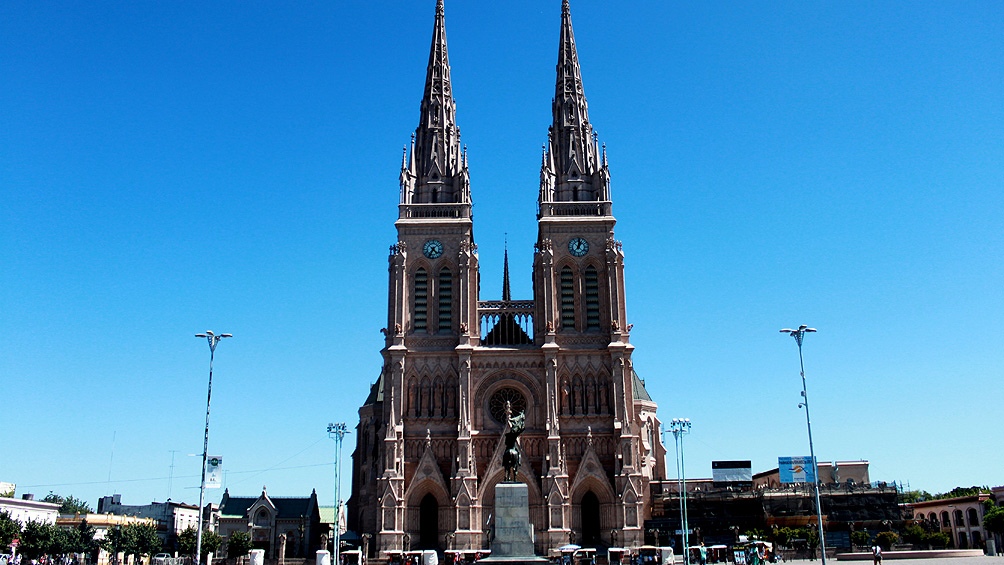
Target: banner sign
x=796 y=469
x=725 y=473
x=214 y=471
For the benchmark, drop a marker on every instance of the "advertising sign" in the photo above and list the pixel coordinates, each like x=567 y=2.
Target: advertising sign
x=725 y=473
x=796 y=469
x=214 y=471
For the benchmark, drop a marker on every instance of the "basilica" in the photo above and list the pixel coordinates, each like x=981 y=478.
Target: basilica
x=430 y=436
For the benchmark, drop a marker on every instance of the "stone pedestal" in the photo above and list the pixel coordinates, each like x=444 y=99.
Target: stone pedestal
x=513 y=531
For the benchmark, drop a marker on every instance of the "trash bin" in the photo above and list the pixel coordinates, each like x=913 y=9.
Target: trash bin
x=257 y=557
x=323 y=557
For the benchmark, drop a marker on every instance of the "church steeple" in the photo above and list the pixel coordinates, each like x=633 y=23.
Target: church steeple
x=572 y=169
x=437 y=170
x=506 y=293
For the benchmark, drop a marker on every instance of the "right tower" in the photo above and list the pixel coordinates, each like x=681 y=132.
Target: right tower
x=581 y=317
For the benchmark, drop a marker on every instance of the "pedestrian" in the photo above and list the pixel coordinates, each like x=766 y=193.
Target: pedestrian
x=704 y=554
x=876 y=554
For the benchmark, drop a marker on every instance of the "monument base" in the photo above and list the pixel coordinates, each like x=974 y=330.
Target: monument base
x=513 y=541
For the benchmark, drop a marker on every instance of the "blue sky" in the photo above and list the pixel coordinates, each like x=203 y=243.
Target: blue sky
x=167 y=168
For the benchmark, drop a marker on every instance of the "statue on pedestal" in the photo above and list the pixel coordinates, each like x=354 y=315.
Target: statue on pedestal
x=511 y=457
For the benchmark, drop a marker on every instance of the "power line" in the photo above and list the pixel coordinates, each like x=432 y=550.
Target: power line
x=328 y=464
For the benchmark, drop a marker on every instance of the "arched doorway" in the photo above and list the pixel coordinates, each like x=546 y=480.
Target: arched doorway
x=428 y=527
x=590 y=514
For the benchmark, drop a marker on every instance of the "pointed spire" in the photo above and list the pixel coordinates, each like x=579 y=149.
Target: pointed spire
x=575 y=168
x=506 y=293
x=438 y=167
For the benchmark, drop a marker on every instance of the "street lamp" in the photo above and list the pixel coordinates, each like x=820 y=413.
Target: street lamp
x=337 y=432
x=213 y=341
x=799 y=335
x=681 y=427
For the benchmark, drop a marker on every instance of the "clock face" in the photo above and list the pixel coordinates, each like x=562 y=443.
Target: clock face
x=578 y=247
x=433 y=248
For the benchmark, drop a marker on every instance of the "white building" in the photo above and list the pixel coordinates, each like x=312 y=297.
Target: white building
x=171 y=518
x=27 y=509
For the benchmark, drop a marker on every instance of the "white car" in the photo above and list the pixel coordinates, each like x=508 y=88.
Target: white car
x=161 y=559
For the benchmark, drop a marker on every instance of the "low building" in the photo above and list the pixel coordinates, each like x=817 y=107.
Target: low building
x=101 y=524
x=27 y=509
x=960 y=517
x=171 y=518
x=275 y=524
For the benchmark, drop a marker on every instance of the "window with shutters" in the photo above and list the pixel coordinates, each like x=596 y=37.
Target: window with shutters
x=445 y=300
x=592 y=299
x=421 y=322
x=567 y=295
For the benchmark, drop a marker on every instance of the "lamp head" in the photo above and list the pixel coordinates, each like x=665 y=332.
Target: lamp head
x=201 y=335
x=227 y=335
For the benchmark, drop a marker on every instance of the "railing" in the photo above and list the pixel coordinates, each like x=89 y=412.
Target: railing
x=435 y=211
x=505 y=322
x=598 y=208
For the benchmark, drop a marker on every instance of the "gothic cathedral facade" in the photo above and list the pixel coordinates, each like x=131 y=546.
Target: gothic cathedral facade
x=429 y=441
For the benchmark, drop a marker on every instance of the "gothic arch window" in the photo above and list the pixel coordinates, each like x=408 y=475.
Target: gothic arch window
x=261 y=518
x=445 y=301
x=592 y=286
x=567 y=297
x=421 y=322
x=437 y=398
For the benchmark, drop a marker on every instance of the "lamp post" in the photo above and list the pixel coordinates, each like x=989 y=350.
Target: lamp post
x=681 y=427
x=337 y=432
x=799 y=335
x=213 y=340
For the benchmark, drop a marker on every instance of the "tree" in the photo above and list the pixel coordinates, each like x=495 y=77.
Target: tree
x=886 y=540
x=211 y=542
x=938 y=539
x=36 y=539
x=186 y=541
x=910 y=496
x=993 y=520
x=238 y=544
x=68 y=505
x=85 y=542
x=145 y=539
x=860 y=538
x=9 y=529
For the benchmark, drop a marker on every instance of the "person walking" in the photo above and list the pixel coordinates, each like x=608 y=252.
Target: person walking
x=876 y=554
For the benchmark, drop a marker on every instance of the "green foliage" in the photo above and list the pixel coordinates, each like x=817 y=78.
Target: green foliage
x=145 y=539
x=938 y=540
x=186 y=541
x=860 y=538
x=211 y=542
x=962 y=491
x=37 y=539
x=756 y=533
x=238 y=544
x=915 y=535
x=993 y=520
x=9 y=529
x=811 y=536
x=133 y=539
x=68 y=505
x=886 y=540
x=7 y=493
x=909 y=496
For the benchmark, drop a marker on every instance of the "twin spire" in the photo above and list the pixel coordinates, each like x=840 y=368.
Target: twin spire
x=437 y=169
x=573 y=168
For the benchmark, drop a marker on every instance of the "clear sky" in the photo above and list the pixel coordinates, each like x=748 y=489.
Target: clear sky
x=172 y=167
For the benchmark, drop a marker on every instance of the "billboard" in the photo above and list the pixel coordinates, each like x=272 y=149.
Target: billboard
x=725 y=473
x=796 y=469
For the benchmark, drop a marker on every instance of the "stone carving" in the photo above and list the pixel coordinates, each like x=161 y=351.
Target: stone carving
x=511 y=457
x=463 y=327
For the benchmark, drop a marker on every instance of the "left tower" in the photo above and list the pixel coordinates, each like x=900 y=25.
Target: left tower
x=432 y=311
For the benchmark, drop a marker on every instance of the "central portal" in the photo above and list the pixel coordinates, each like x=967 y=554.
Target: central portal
x=428 y=528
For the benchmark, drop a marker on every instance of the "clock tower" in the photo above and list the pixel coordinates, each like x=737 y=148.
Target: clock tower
x=429 y=443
